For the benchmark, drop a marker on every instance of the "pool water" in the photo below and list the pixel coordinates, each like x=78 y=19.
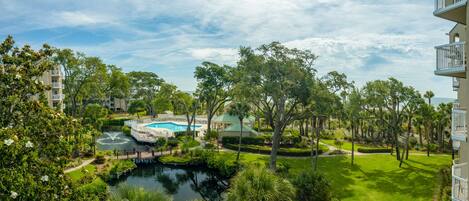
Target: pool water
x=171 y=126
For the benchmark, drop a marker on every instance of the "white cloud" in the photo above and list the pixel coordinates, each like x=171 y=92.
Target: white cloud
x=172 y=37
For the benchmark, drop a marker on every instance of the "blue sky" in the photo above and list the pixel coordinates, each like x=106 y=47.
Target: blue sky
x=366 y=39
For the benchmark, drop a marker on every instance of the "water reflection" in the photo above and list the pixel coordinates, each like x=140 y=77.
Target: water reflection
x=182 y=183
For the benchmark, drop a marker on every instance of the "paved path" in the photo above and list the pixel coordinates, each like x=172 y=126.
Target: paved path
x=85 y=163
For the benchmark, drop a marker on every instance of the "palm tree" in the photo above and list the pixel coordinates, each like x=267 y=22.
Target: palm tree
x=429 y=95
x=241 y=110
x=260 y=184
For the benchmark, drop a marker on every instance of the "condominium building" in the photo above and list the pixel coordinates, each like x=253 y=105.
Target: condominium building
x=451 y=62
x=54 y=79
x=116 y=104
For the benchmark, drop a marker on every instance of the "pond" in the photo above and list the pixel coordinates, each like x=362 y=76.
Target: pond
x=182 y=184
x=119 y=141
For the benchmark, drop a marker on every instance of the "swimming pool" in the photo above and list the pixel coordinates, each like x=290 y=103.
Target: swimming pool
x=171 y=126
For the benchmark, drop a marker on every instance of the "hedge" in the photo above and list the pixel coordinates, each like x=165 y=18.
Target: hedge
x=244 y=140
x=374 y=150
x=114 y=122
x=267 y=150
x=126 y=130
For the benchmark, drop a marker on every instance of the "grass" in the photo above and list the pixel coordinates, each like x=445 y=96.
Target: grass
x=170 y=159
x=348 y=145
x=373 y=177
x=78 y=174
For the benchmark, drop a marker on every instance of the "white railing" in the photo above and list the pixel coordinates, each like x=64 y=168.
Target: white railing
x=456 y=83
x=459 y=181
x=57 y=96
x=450 y=57
x=441 y=4
x=56 y=85
x=55 y=72
x=458 y=124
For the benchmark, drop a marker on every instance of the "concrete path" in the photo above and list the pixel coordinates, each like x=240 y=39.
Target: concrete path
x=85 y=163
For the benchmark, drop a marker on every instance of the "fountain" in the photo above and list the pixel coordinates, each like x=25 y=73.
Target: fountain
x=112 y=139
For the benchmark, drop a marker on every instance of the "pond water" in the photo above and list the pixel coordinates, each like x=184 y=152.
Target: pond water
x=182 y=184
x=118 y=141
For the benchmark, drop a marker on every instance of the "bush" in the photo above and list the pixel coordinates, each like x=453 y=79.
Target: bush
x=412 y=141
x=259 y=184
x=312 y=186
x=114 y=122
x=96 y=190
x=244 y=140
x=268 y=149
x=125 y=192
x=100 y=159
x=374 y=150
x=116 y=169
x=212 y=135
x=126 y=130
x=210 y=146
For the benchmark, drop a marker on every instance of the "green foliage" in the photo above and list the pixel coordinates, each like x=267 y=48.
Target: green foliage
x=126 y=130
x=115 y=122
x=116 y=168
x=260 y=184
x=100 y=159
x=146 y=85
x=444 y=185
x=312 y=186
x=95 y=190
x=282 y=151
x=374 y=150
x=94 y=115
x=211 y=135
x=126 y=193
x=244 y=140
x=136 y=107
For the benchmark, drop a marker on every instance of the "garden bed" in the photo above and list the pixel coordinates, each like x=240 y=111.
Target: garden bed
x=282 y=151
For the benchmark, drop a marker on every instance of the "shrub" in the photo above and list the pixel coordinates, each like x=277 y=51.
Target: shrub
x=126 y=130
x=210 y=146
x=412 y=141
x=374 y=150
x=268 y=149
x=114 y=122
x=244 y=140
x=260 y=184
x=96 y=190
x=211 y=135
x=100 y=159
x=338 y=143
x=312 y=186
x=125 y=192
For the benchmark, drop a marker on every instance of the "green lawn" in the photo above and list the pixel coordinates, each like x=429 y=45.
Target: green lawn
x=78 y=174
x=374 y=177
x=348 y=145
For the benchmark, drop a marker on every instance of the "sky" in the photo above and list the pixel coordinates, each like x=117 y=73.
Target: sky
x=365 y=39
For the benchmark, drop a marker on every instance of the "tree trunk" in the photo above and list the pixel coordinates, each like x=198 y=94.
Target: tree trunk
x=318 y=132
x=306 y=127
x=278 y=124
x=239 y=145
x=353 y=141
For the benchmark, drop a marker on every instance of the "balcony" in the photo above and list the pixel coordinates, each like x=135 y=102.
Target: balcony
x=57 y=97
x=458 y=124
x=459 y=181
x=56 y=85
x=454 y=10
x=55 y=72
x=451 y=60
x=456 y=84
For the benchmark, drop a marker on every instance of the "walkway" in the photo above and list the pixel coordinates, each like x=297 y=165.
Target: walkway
x=85 y=163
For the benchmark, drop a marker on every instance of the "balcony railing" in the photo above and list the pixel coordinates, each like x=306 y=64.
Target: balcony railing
x=56 y=85
x=456 y=83
x=453 y=10
x=459 y=181
x=458 y=124
x=57 y=96
x=55 y=72
x=451 y=60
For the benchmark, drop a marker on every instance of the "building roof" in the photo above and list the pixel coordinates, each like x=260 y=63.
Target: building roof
x=237 y=128
x=226 y=118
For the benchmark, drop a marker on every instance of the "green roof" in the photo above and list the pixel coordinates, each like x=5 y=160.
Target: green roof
x=237 y=128
x=226 y=118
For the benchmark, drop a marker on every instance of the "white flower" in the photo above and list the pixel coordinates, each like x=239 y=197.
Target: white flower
x=13 y=194
x=17 y=76
x=45 y=178
x=55 y=196
x=29 y=144
x=66 y=187
x=8 y=142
